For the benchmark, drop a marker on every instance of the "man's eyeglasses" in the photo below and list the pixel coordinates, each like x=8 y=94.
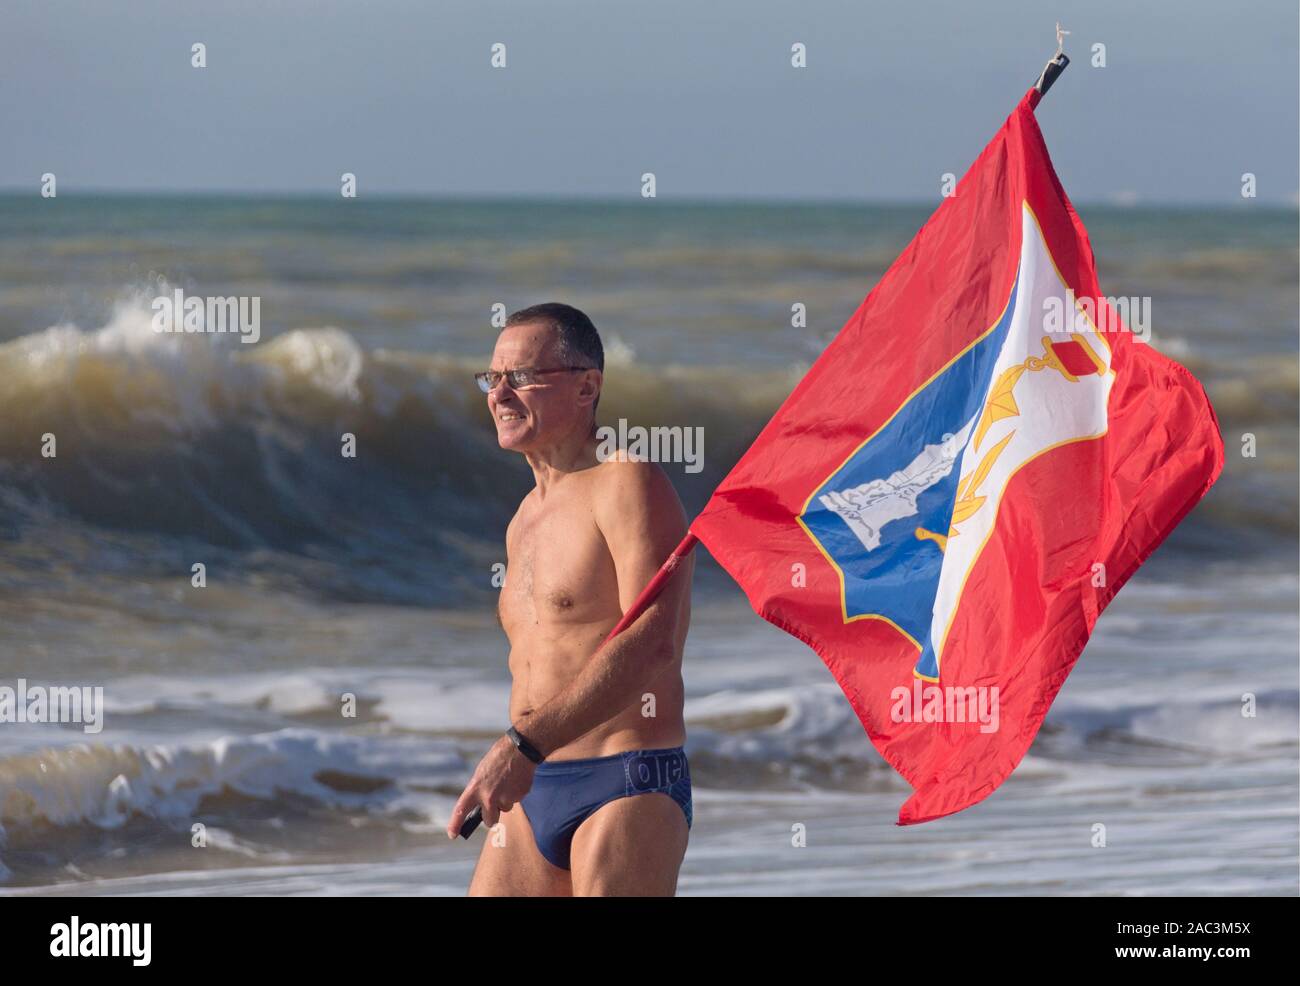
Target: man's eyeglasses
x=525 y=376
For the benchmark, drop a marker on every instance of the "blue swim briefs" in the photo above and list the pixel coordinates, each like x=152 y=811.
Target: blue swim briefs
x=566 y=792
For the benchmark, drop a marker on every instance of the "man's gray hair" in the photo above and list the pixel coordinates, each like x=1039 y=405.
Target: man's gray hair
x=578 y=341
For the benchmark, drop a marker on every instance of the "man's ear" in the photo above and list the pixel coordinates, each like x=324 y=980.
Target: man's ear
x=592 y=382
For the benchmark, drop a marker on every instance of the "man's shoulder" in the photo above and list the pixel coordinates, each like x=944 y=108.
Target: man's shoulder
x=632 y=474
x=636 y=486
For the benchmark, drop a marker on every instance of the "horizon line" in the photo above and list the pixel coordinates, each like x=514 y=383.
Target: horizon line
x=1119 y=202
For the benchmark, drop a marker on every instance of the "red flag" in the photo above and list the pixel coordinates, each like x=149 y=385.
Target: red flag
x=965 y=478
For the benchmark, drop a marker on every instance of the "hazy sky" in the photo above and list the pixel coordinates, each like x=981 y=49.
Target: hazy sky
x=700 y=92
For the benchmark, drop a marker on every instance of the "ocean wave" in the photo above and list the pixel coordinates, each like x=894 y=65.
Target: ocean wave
x=204 y=438
x=53 y=799
x=107 y=785
x=781 y=738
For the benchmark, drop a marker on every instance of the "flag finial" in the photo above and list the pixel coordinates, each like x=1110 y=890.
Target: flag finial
x=1055 y=66
x=1060 y=40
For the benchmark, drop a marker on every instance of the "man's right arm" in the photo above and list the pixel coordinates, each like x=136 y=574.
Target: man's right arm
x=642 y=521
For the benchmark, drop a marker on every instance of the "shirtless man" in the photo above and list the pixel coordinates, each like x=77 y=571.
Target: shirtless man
x=608 y=809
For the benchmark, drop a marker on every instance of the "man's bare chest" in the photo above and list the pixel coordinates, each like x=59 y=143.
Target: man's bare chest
x=558 y=567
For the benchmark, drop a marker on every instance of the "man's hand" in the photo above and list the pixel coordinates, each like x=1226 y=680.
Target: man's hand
x=502 y=778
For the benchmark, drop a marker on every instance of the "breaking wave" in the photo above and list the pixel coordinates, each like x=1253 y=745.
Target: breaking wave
x=203 y=440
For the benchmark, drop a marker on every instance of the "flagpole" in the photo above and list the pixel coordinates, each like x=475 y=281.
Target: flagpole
x=654 y=586
x=1051 y=72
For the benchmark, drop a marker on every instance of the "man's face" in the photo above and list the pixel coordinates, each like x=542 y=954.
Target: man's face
x=540 y=415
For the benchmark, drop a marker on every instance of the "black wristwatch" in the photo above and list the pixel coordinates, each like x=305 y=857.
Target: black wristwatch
x=524 y=747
